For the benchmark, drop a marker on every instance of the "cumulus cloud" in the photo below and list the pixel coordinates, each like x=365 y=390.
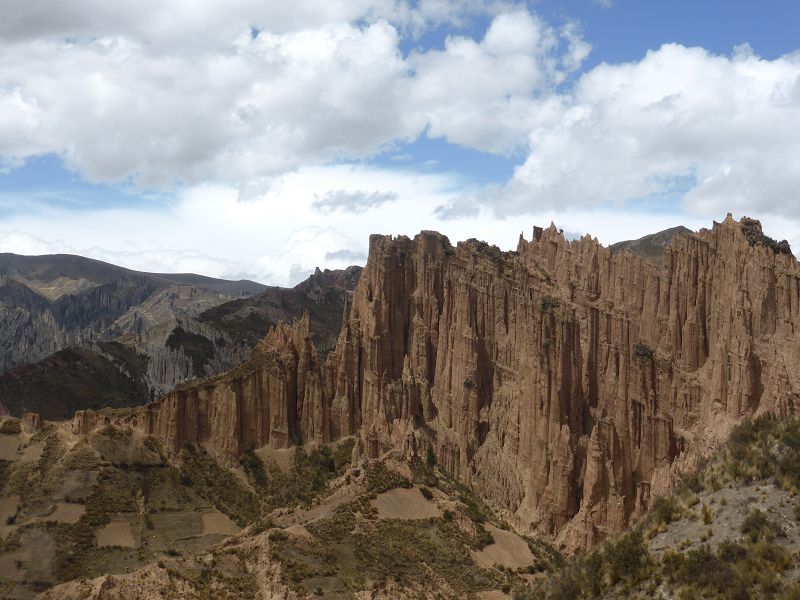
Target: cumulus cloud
x=718 y=132
x=275 y=241
x=266 y=114
x=119 y=102
x=277 y=238
x=480 y=93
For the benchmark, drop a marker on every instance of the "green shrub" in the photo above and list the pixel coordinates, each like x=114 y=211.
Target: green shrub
x=665 y=510
x=732 y=551
x=10 y=426
x=483 y=537
x=705 y=571
x=756 y=526
x=708 y=515
x=627 y=556
x=430 y=457
x=549 y=303
x=756 y=237
x=254 y=469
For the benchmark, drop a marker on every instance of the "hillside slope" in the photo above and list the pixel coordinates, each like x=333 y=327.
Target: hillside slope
x=48 y=303
x=110 y=514
x=103 y=318
x=730 y=530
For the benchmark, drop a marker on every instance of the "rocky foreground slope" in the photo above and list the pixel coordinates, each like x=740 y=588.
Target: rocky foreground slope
x=110 y=515
x=568 y=385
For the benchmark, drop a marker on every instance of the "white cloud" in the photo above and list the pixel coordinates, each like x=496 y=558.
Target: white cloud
x=723 y=127
x=280 y=238
x=20 y=242
x=258 y=128
x=277 y=237
x=480 y=93
x=234 y=108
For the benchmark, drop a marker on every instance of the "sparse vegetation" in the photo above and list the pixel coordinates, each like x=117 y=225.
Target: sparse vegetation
x=757 y=527
x=765 y=448
x=254 y=469
x=204 y=475
x=430 y=457
x=10 y=426
x=756 y=237
x=405 y=553
x=485 y=248
x=549 y=303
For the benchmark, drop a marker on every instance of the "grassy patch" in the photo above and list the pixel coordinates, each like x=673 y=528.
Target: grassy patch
x=199 y=471
x=354 y=551
x=360 y=553
x=306 y=480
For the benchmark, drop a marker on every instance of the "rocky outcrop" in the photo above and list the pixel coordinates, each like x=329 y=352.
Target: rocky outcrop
x=568 y=384
x=31 y=423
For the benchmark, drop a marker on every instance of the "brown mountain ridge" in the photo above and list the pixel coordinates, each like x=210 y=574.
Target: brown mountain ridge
x=567 y=384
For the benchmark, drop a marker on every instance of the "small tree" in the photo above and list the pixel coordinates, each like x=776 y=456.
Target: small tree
x=430 y=458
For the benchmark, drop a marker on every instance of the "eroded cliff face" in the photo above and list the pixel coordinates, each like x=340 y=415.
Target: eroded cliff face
x=568 y=385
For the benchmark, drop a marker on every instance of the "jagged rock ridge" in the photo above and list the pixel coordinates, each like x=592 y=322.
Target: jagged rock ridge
x=568 y=384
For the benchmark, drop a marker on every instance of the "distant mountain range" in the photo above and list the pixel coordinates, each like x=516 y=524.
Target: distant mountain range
x=650 y=247
x=81 y=333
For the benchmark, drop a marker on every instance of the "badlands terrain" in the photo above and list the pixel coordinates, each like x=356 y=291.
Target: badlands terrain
x=563 y=420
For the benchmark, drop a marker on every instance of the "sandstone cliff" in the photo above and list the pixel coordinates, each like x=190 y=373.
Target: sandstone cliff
x=568 y=384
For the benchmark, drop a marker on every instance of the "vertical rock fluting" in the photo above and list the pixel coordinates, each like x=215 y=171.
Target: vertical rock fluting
x=568 y=384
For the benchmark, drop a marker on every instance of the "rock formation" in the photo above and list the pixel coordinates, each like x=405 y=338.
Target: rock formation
x=568 y=384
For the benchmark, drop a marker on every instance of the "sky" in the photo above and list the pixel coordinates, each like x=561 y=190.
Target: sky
x=261 y=139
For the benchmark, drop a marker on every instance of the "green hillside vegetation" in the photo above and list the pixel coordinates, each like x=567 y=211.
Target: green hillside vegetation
x=356 y=549
x=710 y=558
x=114 y=480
